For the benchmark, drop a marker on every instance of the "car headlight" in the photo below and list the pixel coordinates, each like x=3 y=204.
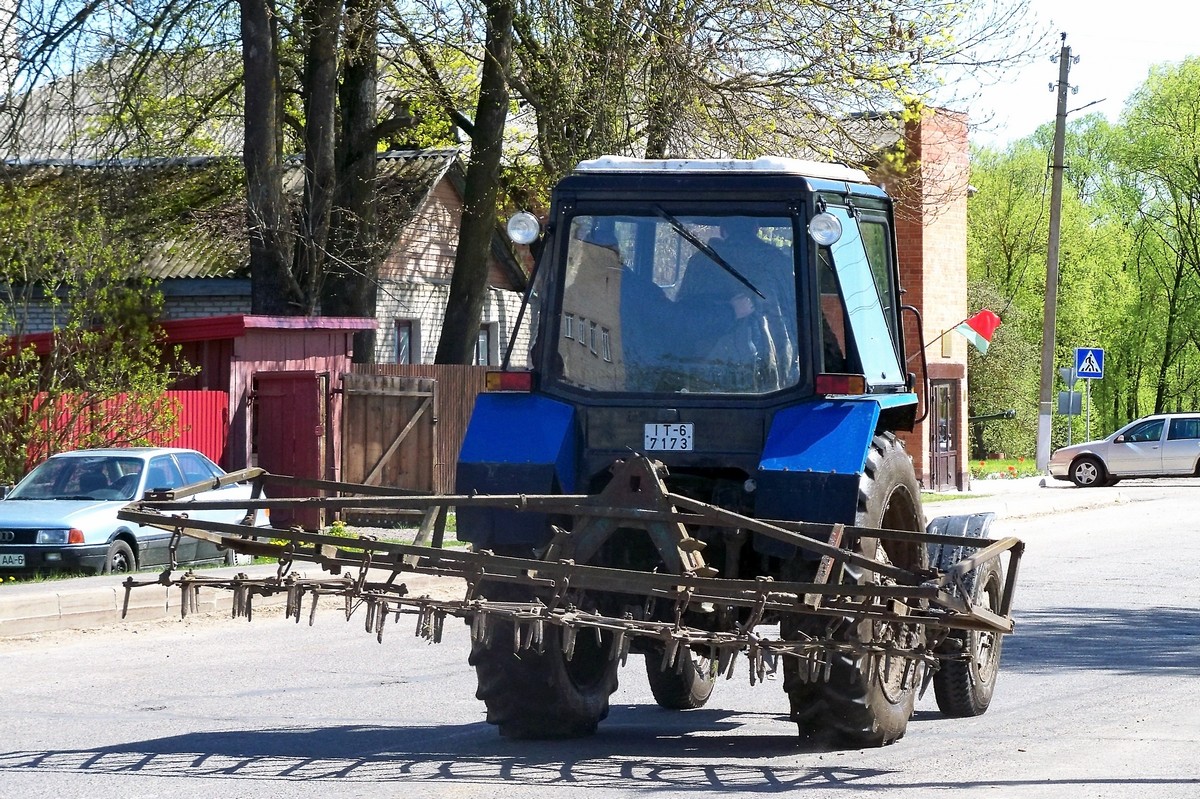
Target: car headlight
x=60 y=536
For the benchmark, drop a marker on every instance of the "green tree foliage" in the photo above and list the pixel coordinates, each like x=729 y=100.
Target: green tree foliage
x=1158 y=160
x=1130 y=255
x=330 y=78
x=1008 y=226
x=101 y=380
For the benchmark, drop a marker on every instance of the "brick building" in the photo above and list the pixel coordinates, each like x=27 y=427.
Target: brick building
x=931 y=233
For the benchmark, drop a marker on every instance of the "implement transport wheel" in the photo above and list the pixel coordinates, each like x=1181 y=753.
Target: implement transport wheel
x=685 y=686
x=866 y=702
x=963 y=688
x=531 y=694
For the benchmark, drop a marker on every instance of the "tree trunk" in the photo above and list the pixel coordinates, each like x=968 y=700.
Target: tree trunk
x=273 y=289
x=322 y=21
x=468 y=286
x=1169 y=349
x=353 y=271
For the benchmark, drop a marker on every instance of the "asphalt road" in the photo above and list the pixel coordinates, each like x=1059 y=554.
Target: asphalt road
x=1097 y=698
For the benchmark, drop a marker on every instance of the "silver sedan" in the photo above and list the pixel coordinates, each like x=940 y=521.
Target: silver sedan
x=1166 y=444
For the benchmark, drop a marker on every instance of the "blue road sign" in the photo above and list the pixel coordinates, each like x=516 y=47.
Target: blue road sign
x=1089 y=363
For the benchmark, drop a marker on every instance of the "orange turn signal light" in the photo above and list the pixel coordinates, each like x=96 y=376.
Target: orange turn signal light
x=509 y=381
x=75 y=536
x=841 y=384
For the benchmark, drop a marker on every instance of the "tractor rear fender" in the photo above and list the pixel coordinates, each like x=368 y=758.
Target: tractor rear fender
x=812 y=464
x=515 y=444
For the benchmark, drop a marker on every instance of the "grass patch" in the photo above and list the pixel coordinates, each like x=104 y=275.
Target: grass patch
x=935 y=497
x=1002 y=468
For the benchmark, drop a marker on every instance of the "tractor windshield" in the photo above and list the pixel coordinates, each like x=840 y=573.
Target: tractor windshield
x=678 y=303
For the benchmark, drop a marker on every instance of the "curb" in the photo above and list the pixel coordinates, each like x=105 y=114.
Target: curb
x=87 y=602
x=82 y=603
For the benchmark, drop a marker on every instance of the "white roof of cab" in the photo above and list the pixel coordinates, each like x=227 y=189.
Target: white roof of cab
x=766 y=164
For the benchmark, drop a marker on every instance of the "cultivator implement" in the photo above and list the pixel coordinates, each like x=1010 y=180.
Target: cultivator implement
x=688 y=607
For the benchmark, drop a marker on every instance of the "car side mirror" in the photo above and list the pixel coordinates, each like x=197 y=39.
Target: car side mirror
x=1119 y=440
x=4 y=491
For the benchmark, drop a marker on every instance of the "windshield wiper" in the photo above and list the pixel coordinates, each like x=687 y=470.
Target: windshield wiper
x=707 y=250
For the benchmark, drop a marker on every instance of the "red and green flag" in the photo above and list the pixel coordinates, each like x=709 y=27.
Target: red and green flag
x=979 y=329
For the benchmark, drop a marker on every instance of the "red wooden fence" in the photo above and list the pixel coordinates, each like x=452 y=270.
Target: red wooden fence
x=202 y=422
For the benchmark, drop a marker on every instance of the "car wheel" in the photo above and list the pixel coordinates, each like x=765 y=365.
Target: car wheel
x=1088 y=473
x=119 y=559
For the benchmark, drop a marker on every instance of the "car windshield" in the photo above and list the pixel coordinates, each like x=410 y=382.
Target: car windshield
x=100 y=477
x=679 y=303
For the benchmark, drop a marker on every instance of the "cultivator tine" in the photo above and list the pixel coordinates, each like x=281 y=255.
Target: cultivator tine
x=724 y=661
x=439 y=623
x=369 y=620
x=312 y=611
x=294 y=600
x=380 y=621
x=620 y=647
x=670 y=652
x=568 y=645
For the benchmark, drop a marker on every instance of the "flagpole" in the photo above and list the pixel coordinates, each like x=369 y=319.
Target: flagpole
x=940 y=336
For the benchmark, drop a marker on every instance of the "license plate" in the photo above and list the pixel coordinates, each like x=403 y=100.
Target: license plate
x=11 y=561
x=668 y=437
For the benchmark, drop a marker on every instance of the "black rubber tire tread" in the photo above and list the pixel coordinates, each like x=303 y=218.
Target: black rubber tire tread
x=853 y=707
x=965 y=689
x=119 y=559
x=687 y=688
x=1101 y=472
x=540 y=695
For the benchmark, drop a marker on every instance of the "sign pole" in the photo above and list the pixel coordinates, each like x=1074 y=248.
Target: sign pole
x=1088 y=429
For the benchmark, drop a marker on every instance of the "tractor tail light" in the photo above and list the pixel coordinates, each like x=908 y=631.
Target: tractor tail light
x=510 y=381
x=841 y=384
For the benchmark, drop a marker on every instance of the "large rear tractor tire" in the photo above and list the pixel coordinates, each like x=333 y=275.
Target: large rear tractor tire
x=866 y=701
x=685 y=686
x=531 y=694
x=964 y=688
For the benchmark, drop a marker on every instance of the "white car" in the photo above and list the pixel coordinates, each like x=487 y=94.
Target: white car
x=62 y=516
x=1165 y=444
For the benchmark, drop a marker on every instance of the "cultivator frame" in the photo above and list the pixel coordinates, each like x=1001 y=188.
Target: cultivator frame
x=364 y=573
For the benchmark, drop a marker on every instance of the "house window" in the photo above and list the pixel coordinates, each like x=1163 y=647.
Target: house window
x=592 y=337
x=568 y=325
x=483 y=346
x=406 y=341
x=606 y=344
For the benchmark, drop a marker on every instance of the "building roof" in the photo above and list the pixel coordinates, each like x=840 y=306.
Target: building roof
x=188 y=215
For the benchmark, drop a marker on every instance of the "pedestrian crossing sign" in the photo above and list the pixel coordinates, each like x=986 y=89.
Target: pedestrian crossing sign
x=1089 y=363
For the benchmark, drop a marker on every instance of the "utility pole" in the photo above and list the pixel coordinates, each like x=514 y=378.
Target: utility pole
x=1045 y=408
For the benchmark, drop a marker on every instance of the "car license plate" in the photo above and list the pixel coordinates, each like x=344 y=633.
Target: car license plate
x=668 y=437
x=8 y=561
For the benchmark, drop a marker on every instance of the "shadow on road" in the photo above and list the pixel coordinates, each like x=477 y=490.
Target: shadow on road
x=1124 y=640
x=628 y=754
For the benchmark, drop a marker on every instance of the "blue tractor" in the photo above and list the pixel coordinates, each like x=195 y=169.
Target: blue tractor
x=699 y=465
x=725 y=335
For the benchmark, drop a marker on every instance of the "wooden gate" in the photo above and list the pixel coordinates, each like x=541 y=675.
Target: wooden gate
x=289 y=435
x=389 y=434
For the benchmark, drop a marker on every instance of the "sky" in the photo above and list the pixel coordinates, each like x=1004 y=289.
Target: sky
x=1116 y=44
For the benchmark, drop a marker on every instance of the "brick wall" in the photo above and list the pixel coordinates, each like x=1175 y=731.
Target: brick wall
x=931 y=240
